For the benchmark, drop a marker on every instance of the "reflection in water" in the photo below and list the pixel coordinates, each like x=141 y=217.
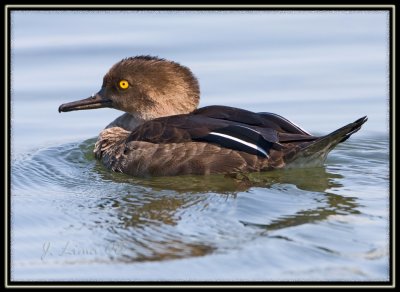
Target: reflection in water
x=148 y=216
x=146 y=225
x=162 y=218
x=334 y=205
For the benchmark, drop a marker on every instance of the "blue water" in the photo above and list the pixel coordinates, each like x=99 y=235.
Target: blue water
x=71 y=219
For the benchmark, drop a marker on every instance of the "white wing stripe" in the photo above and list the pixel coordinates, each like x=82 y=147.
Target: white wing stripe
x=254 y=146
x=289 y=121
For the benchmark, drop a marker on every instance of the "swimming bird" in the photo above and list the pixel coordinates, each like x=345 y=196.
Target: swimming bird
x=164 y=133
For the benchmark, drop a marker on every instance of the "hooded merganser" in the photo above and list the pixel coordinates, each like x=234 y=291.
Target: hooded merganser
x=163 y=133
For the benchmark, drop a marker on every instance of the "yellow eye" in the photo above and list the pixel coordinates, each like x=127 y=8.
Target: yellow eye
x=123 y=84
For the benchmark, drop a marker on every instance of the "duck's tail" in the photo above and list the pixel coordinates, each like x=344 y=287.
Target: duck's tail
x=314 y=153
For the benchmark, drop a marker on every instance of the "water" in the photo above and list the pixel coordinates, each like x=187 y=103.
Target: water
x=71 y=219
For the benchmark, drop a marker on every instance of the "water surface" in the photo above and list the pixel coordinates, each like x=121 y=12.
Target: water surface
x=71 y=219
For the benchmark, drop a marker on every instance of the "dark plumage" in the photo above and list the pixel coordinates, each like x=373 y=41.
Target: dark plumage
x=162 y=132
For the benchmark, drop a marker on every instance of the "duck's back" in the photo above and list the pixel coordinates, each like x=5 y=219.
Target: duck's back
x=214 y=139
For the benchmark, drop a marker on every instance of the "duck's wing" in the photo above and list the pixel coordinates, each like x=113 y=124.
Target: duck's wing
x=263 y=119
x=227 y=127
x=286 y=125
x=287 y=130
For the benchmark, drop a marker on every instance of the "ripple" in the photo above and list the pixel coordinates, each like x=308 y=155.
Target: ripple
x=66 y=201
x=52 y=168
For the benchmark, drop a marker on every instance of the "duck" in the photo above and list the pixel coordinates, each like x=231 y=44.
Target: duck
x=163 y=132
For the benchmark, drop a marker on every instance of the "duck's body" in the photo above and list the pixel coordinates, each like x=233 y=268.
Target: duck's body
x=163 y=133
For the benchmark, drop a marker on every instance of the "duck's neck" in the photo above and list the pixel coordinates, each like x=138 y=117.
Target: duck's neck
x=126 y=121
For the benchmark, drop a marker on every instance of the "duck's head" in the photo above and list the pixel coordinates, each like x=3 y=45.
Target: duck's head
x=146 y=87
